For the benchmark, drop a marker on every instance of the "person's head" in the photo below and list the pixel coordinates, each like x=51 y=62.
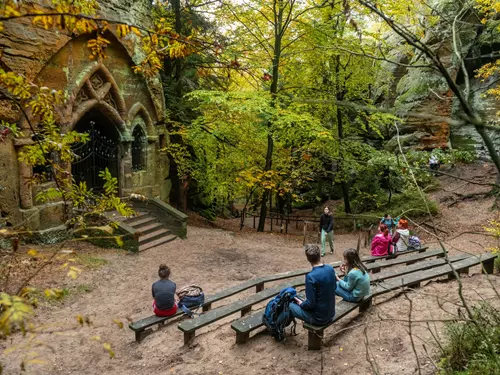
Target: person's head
x=163 y=271
x=326 y=210
x=403 y=224
x=386 y=216
x=313 y=253
x=352 y=260
x=384 y=229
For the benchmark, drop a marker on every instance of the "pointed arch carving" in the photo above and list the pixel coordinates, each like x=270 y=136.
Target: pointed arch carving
x=98 y=84
x=139 y=110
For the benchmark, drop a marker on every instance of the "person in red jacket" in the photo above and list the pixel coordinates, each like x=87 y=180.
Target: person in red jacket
x=382 y=241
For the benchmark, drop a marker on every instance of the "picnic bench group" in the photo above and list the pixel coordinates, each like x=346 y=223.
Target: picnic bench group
x=419 y=267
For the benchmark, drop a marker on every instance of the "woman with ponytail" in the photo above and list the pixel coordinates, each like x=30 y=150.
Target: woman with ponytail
x=356 y=283
x=164 y=303
x=382 y=241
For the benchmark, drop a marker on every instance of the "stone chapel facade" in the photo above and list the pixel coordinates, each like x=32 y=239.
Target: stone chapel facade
x=122 y=111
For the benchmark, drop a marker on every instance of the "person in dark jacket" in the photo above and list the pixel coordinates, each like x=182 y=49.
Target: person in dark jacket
x=165 y=300
x=326 y=230
x=319 y=306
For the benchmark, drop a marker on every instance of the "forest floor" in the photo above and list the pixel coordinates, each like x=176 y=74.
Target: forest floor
x=115 y=285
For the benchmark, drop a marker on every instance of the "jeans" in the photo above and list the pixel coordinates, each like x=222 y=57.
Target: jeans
x=304 y=315
x=324 y=236
x=345 y=294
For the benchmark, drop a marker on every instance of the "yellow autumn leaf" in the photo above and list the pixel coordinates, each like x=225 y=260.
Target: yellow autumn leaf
x=32 y=253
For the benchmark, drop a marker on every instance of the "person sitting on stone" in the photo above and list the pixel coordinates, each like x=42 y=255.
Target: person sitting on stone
x=319 y=305
x=165 y=299
x=356 y=283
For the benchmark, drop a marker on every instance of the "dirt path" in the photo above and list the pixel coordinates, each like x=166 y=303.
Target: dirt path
x=217 y=259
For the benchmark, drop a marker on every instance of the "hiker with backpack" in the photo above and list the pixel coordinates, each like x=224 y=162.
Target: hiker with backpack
x=165 y=299
x=326 y=230
x=356 y=283
x=319 y=305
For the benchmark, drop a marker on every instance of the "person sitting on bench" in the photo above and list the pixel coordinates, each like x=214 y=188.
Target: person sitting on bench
x=402 y=236
x=319 y=306
x=165 y=299
x=356 y=283
x=381 y=242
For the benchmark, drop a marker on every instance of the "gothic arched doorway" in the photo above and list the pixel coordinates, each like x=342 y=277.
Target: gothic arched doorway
x=101 y=151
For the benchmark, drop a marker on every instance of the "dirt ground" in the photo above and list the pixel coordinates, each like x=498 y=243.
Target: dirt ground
x=115 y=285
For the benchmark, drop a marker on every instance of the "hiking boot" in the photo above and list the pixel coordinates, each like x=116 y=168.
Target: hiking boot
x=331 y=252
x=322 y=255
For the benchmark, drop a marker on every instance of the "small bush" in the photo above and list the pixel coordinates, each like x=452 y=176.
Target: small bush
x=467 y=350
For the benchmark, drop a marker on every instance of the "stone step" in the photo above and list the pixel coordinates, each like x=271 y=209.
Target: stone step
x=150 y=227
x=158 y=242
x=162 y=232
x=141 y=221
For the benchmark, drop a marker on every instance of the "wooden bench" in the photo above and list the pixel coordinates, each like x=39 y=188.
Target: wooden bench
x=412 y=280
x=373 y=258
x=142 y=328
x=189 y=327
x=389 y=262
x=245 y=325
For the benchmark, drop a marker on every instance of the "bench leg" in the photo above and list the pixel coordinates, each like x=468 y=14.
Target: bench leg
x=375 y=270
x=188 y=336
x=414 y=285
x=365 y=306
x=207 y=307
x=488 y=266
x=422 y=250
x=246 y=310
x=242 y=337
x=259 y=287
x=314 y=340
x=140 y=335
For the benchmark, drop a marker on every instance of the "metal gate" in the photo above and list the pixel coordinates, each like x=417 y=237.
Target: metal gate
x=98 y=153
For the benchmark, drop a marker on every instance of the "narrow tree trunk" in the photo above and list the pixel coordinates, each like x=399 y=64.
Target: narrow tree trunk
x=274 y=90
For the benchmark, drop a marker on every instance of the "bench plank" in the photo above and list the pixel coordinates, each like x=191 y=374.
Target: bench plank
x=373 y=258
x=389 y=262
x=140 y=326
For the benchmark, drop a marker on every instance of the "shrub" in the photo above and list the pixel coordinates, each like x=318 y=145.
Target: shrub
x=467 y=350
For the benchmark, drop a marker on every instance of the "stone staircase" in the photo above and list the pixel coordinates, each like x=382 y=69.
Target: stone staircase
x=152 y=232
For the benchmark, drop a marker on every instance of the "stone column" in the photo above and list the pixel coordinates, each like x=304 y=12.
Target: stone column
x=25 y=173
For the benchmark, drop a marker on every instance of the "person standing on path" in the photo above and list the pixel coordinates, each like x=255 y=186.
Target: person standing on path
x=326 y=230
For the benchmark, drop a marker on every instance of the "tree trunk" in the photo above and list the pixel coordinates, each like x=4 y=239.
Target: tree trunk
x=274 y=90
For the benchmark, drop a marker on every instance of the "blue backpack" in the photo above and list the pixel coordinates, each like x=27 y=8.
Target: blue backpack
x=277 y=315
x=414 y=242
x=191 y=297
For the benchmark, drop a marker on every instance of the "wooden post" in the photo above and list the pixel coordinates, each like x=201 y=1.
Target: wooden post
x=314 y=339
x=286 y=224
x=242 y=337
x=246 y=310
x=259 y=287
x=253 y=221
x=304 y=240
x=188 y=336
x=488 y=266
x=207 y=306
x=365 y=305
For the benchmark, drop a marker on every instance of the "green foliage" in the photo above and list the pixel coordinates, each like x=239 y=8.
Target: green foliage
x=467 y=349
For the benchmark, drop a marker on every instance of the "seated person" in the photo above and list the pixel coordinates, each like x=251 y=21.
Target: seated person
x=319 y=306
x=381 y=242
x=165 y=299
x=401 y=236
x=356 y=283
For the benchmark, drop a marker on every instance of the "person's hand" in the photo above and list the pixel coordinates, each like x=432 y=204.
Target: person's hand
x=337 y=277
x=298 y=301
x=342 y=268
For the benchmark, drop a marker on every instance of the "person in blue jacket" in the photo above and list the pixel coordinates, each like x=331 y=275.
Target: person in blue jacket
x=356 y=283
x=319 y=305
